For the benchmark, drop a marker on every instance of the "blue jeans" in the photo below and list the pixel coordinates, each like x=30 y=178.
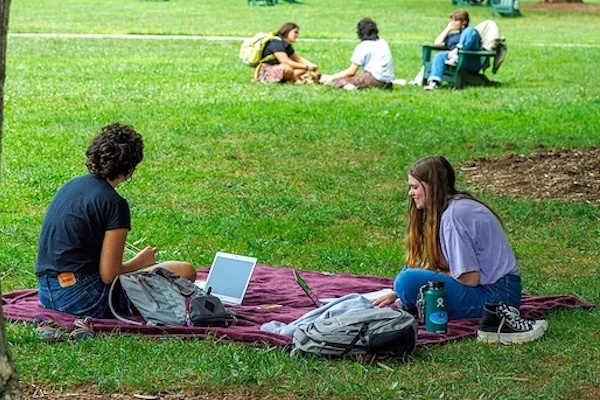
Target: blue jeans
x=463 y=301
x=88 y=296
x=469 y=40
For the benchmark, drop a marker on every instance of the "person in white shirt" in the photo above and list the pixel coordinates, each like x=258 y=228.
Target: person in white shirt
x=373 y=55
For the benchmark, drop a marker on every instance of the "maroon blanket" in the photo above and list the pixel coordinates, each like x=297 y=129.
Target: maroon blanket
x=274 y=295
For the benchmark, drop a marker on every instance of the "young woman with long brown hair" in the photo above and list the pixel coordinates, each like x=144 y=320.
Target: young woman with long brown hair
x=457 y=239
x=286 y=64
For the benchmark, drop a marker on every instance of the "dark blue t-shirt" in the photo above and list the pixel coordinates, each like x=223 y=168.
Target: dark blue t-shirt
x=275 y=46
x=452 y=40
x=74 y=226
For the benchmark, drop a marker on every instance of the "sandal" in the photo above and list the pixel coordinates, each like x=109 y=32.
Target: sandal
x=83 y=328
x=49 y=330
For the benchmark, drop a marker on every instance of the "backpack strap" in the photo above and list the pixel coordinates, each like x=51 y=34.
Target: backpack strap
x=360 y=335
x=256 y=71
x=263 y=60
x=113 y=308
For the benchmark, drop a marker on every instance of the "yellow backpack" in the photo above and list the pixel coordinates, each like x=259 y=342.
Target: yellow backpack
x=251 y=49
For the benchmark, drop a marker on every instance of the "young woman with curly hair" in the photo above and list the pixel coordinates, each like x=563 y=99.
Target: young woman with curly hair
x=457 y=239
x=82 y=239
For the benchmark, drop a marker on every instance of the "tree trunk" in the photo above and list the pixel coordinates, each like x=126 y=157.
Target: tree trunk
x=4 y=12
x=9 y=382
x=9 y=388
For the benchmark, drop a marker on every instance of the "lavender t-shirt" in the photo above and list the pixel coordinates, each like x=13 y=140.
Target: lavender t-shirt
x=473 y=239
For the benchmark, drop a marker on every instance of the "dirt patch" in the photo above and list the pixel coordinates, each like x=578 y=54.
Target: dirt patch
x=33 y=392
x=577 y=7
x=572 y=175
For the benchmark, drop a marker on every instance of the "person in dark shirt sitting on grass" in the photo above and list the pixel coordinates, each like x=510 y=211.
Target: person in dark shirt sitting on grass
x=83 y=235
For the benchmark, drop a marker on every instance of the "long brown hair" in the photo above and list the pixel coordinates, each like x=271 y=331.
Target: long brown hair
x=286 y=28
x=422 y=238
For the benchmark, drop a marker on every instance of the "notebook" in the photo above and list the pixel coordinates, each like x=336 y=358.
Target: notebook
x=318 y=302
x=229 y=277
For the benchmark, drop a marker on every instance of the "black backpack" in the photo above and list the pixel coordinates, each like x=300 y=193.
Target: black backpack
x=374 y=331
x=164 y=298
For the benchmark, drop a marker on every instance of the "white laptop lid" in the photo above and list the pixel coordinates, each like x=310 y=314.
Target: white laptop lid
x=229 y=277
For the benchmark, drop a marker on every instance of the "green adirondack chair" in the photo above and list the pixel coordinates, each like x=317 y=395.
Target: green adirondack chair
x=492 y=54
x=262 y=2
x=505 y=8
x=470 y=2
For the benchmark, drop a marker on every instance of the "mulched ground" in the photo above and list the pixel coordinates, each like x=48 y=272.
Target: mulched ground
x=571 y=175
x=580 y=7
x=32 y=392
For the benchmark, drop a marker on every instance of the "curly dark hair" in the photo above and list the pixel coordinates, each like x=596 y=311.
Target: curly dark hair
x=116 y=150
x=367 y=29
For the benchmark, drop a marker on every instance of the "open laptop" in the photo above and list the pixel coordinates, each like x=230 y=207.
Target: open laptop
x=311 y=295
x=318 y=302
x=229 y=277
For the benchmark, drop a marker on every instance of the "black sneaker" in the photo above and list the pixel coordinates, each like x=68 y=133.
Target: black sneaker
x=503 y=324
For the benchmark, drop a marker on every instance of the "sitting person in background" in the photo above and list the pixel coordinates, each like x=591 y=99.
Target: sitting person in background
x=454 y=238
x=373 y=55
x=285 y=65
x=83 y=235
x=457 y=35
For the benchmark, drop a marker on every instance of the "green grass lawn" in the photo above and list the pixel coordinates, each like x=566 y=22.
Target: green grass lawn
x=298 y=176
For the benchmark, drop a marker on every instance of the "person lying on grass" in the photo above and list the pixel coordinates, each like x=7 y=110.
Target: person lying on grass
x=457 y=239
x=373 y=55
x=287 y=66
x=82 y=239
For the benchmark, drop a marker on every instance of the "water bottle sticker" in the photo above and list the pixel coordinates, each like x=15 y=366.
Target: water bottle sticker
x=440 y=302
x=439 y=317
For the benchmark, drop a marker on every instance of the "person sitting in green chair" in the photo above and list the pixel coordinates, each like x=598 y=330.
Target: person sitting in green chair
x=457 y=35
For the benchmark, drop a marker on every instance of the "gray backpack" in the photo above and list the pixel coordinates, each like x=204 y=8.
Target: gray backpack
x=164 y=298
x=374 y=331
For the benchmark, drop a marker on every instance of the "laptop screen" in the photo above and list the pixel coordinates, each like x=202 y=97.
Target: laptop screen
x=229 y=277
x=307 y=289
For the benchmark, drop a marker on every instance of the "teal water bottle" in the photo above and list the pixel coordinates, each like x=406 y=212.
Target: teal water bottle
x=436 y=312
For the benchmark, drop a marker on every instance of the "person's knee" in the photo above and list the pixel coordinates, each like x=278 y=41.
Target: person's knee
x=181 y=268
x=188 y=271
x=404 y=281
x=470 y=39
x=288 y=73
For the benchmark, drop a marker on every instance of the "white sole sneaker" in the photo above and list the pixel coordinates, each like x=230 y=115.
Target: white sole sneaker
x=539 y=328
